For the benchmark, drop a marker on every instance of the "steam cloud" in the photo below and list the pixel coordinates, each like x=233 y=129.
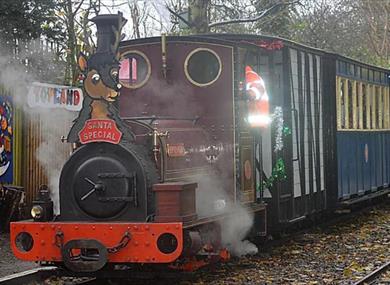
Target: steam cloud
x=212 y=199
x=51 y=153
x=235 y=229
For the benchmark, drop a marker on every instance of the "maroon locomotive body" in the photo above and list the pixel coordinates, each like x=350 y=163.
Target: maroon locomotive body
x=198 y=117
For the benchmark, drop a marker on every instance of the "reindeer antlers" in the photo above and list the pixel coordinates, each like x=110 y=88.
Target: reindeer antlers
x=118 y=36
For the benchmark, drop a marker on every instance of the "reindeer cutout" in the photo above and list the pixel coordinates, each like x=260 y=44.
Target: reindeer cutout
x=100 y=83
x=101 y=80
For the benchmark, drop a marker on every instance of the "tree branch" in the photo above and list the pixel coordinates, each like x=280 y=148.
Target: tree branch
x=77 y=8
x=118 y=5
x=225 y=7
x=107 y=7
x=262 y=15
x=180 y=17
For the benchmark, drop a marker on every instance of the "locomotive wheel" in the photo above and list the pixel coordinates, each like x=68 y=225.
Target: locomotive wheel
x=106 y=181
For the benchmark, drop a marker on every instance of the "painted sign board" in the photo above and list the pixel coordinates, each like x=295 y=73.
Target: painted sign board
x=176 y=150
x=6 y=139
x=100 y=130
x=46 y=95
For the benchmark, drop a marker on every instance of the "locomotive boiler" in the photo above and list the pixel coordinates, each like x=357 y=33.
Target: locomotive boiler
x=174 y=140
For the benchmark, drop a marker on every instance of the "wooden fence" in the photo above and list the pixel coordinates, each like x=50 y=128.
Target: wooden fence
x=36 y=128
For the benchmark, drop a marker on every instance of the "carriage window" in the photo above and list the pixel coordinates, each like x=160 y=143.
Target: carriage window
x=364 y=73
x=342 y=104
x=355 y=105
x=384 y=78
x=202 y=67
x=366 y=107
x=360 y=103
x=357 y=71
x=386 y=111
x=342 y=67
x=370 y=75
x=380 y=107
x=134 y=69
x=351 y=69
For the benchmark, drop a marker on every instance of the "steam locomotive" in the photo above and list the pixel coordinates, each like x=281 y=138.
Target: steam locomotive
x=157 y=172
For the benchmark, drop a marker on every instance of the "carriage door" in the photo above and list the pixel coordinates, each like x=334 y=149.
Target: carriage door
x=270 y=65
x=307 y=133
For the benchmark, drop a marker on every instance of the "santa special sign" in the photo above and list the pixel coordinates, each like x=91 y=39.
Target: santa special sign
x=98 y=130
x=55 y=96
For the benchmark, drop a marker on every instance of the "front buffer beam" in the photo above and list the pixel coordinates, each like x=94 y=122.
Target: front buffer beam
x=104 y=242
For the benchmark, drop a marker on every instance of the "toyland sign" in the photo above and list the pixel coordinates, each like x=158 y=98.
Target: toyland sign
x=55 y=96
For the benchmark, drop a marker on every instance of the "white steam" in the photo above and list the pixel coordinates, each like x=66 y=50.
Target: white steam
x=212 y=199
x=52 y=153
x=52 y=123
x=235 y=229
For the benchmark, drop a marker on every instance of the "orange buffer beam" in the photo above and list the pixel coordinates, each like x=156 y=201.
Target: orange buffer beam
x=141 y=248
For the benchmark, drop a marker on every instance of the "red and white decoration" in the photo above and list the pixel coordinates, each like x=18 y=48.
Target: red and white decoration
x=99 y=130
x=258 y=105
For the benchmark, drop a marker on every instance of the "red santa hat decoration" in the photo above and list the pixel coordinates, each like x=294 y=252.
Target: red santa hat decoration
x=258 y=106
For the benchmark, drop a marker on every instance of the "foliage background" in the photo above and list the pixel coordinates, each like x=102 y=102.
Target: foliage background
x=47 y=35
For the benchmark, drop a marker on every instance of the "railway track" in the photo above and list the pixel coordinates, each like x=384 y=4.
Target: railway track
x=372 y=277
x=42 y=276
x=56 y=276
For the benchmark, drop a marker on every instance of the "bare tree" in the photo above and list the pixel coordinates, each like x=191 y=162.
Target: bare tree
x=356 y=28
x=145 y=17
x=375 y=22
x=198 y=16
x=206 y=15
x=74 y=16
x=140 y=16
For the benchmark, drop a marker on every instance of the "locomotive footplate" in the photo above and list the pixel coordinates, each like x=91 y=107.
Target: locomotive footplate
x=97 y=243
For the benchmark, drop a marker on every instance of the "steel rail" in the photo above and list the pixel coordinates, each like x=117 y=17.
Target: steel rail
x=38 y=276
x=374 y=274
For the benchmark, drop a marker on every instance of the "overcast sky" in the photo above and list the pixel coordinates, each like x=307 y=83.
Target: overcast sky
x=154 y=12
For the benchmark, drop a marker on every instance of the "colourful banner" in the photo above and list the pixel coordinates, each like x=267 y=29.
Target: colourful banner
x=55 y=96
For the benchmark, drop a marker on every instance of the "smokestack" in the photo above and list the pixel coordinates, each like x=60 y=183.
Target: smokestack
x=108 y=30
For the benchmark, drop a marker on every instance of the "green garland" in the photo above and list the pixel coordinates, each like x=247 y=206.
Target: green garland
x=279 y=169
x=286 y=131
x=278 y=174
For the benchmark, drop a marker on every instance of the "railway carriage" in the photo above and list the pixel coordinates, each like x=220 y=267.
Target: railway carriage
x=189 y=142
x=362 y=128
x=338 y=112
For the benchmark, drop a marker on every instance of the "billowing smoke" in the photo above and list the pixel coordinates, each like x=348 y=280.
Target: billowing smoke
x=235 y=228
x=14 y=78
x=53 y=123
x=52 y=153
x=212 y=199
